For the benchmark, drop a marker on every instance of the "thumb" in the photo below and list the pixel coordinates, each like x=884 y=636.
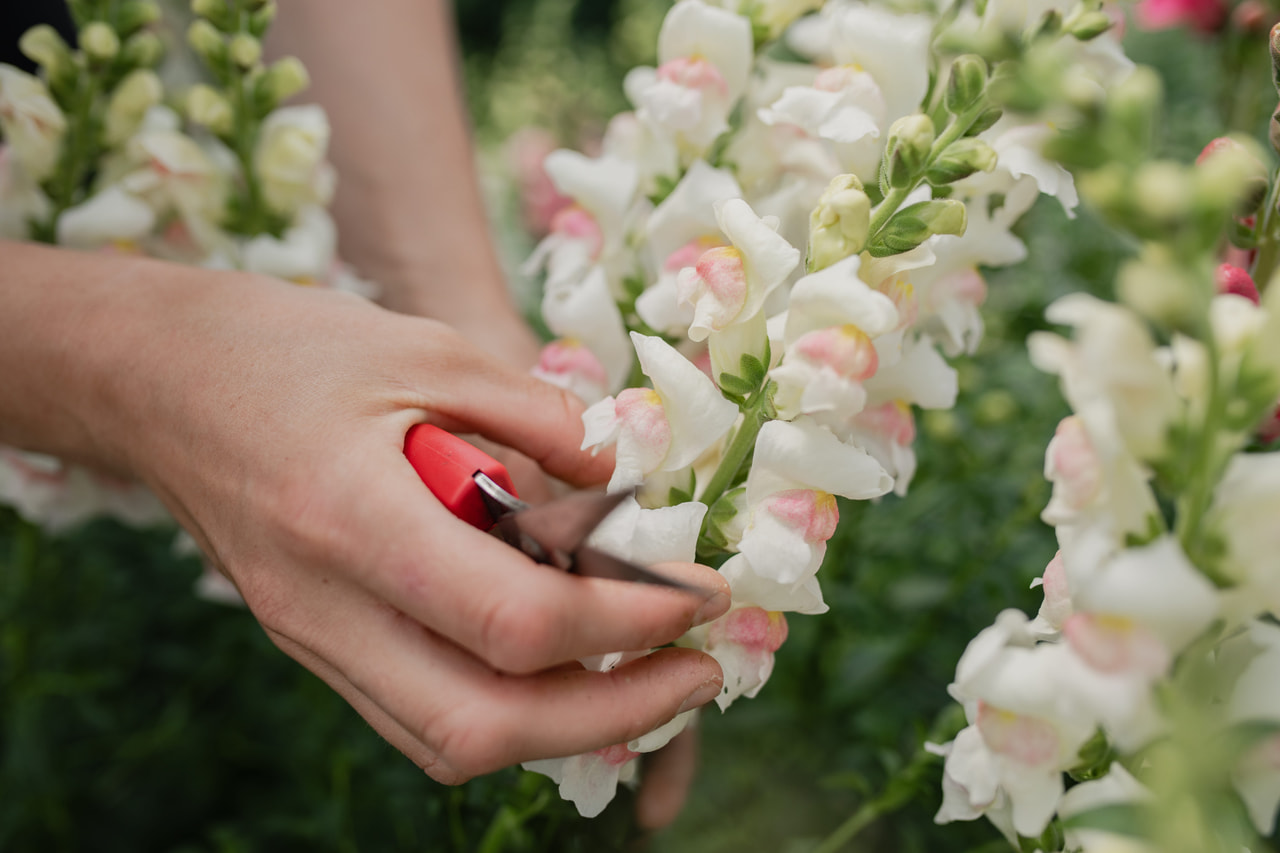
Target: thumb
x=519 y=411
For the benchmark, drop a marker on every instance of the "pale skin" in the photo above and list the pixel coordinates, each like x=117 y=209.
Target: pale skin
x=271 y=419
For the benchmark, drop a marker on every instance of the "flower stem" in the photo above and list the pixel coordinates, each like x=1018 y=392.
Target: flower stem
x=1205 y=466
x=1264 y=264
x=743 y=443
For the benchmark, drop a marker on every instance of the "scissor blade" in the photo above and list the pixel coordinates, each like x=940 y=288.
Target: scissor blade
x=565 y=523
x=597 y=564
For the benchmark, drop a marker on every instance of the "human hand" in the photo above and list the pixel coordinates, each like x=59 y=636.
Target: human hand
x=272 y=419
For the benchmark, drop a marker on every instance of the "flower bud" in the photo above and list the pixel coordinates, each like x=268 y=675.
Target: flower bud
x=968 y=80
x=99 y=41
x=910 y=140
x=285 y=78
x=961 y=159
x=1162 y=191
x=1230 y=175
x=1133 y=104
x=217 y=12
x=137 y=93
x=210 y=108
x=245 y=50
x=1229 y=279
x=985 y=121
x=916 y=223
x=206 y=41
x=261 y=19
x=1153 y=285
x=42 y=45
x=1089 y=25
x=136 y=14
x=838 y=226
x=1274 y=41
x=1250 y=16
x=143 y=50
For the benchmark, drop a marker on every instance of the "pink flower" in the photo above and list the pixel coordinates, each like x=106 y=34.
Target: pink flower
x=1207 y=16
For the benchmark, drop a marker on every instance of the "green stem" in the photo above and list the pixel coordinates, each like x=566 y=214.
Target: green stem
x=739 y=449
x=1204 y=467
x=886 y=209
x=1264 y=264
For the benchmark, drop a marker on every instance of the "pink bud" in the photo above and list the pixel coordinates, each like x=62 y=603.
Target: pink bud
x=1206 y=16
x=1231 y=279
x=576 y=223
x=1270 y=429
x=1251 y=16
x=1222 y=143
x=756 y=628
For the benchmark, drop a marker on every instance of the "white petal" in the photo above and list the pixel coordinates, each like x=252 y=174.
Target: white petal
x=750 y=588
x=111 y=215
x=922 y=377
x=588 y=313
x=648 y=536
x=767 y=257
x=689 y=212
x=663 y=734
x=694 y=29
x=801 y=454
x=836 y=296
x=698 y=415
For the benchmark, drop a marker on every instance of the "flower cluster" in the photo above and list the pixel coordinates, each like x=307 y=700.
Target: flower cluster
x=94 y=159
x=1149 y=675
x=755 y=284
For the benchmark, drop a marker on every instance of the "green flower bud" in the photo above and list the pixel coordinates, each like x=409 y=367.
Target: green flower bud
x=1273 y=130
x=135 y=15
x=910 y=139
x=1275 y=56
x=261 y=19
x=838 y=226
x=960 y=160
x=285 y=78
x=1049 y=27
x=1107 y=188
x=245 y=50
x=210 y=108
x=42 y=45
x=1089 y=25
x=137 y=93
x=1162 y=191
x=99 y=41
x=1133 y=103
x=916 y=223
x=985 y=121
x=1152 y=284
x=206 y=41
x=217 y=12
x=1230 y=175
x=967 y=83
x=143 y=50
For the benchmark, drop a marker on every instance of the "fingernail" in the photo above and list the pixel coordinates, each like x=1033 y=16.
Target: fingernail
x=701 y=696
x=713 y=608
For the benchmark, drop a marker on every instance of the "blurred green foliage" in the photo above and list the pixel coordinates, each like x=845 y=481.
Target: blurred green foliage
x=135 y=717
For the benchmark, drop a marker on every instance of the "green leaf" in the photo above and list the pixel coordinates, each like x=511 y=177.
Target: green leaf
x=753 y=370
x=1119 y=819
x=736 y=385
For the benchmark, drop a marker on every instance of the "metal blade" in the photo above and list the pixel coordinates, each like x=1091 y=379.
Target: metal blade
x=565 y=523
x=597 y=564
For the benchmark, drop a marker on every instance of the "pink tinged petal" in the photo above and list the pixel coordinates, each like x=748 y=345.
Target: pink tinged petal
x=694 y=30
x=1115 y=644
x=568 y=364
x=586 y=311
x=845 y=349
x=743 y=642
x=1057 y=595
x=690 y=253
x=696 y=413
x=767 y=257
x=590 y=780
x=1028 y=740
x=892 y=420
x=601 y=425
x=903 y=294
x=1072 y=464
x=687 y=216
x=694 y=73
x=755 y=629
x=1231 y=279
x=576 y=223
x=778 y=550
x=644 y=436
x=716 y=288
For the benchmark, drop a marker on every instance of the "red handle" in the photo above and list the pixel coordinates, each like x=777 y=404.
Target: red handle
x=447 y=465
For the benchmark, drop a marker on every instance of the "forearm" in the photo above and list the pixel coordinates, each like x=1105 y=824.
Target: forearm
x=408 y=206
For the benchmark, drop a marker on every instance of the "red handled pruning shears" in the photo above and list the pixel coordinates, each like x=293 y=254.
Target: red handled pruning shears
x=477 y=489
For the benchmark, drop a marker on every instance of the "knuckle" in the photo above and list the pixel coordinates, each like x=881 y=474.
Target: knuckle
x=475 y=743
x=520 y=636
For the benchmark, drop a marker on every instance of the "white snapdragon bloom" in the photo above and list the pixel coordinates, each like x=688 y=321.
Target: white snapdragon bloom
x=304 y=255
x=591 y=231
x=678 y=232
x=1056 y=607
x=730 y=284
x=290 y=159
x=833 y=321
x=31 y=122
x=588 y=313
x=568 y=364
x=111 y=216
x=175 y=176
x=58 y=496
x=920 y=377
x=1256 y=699
x=1244 y=510
x=589 y=781
x=1131 y=619
x=1027 y=727
x=647 y=536
x=704 y=60
x=743 y=642
x=21 y=199
x=665 y=428
x=888 y=433
x=796 y=472
x=1020 y=164
x=1112 y=365
x=881 y=74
